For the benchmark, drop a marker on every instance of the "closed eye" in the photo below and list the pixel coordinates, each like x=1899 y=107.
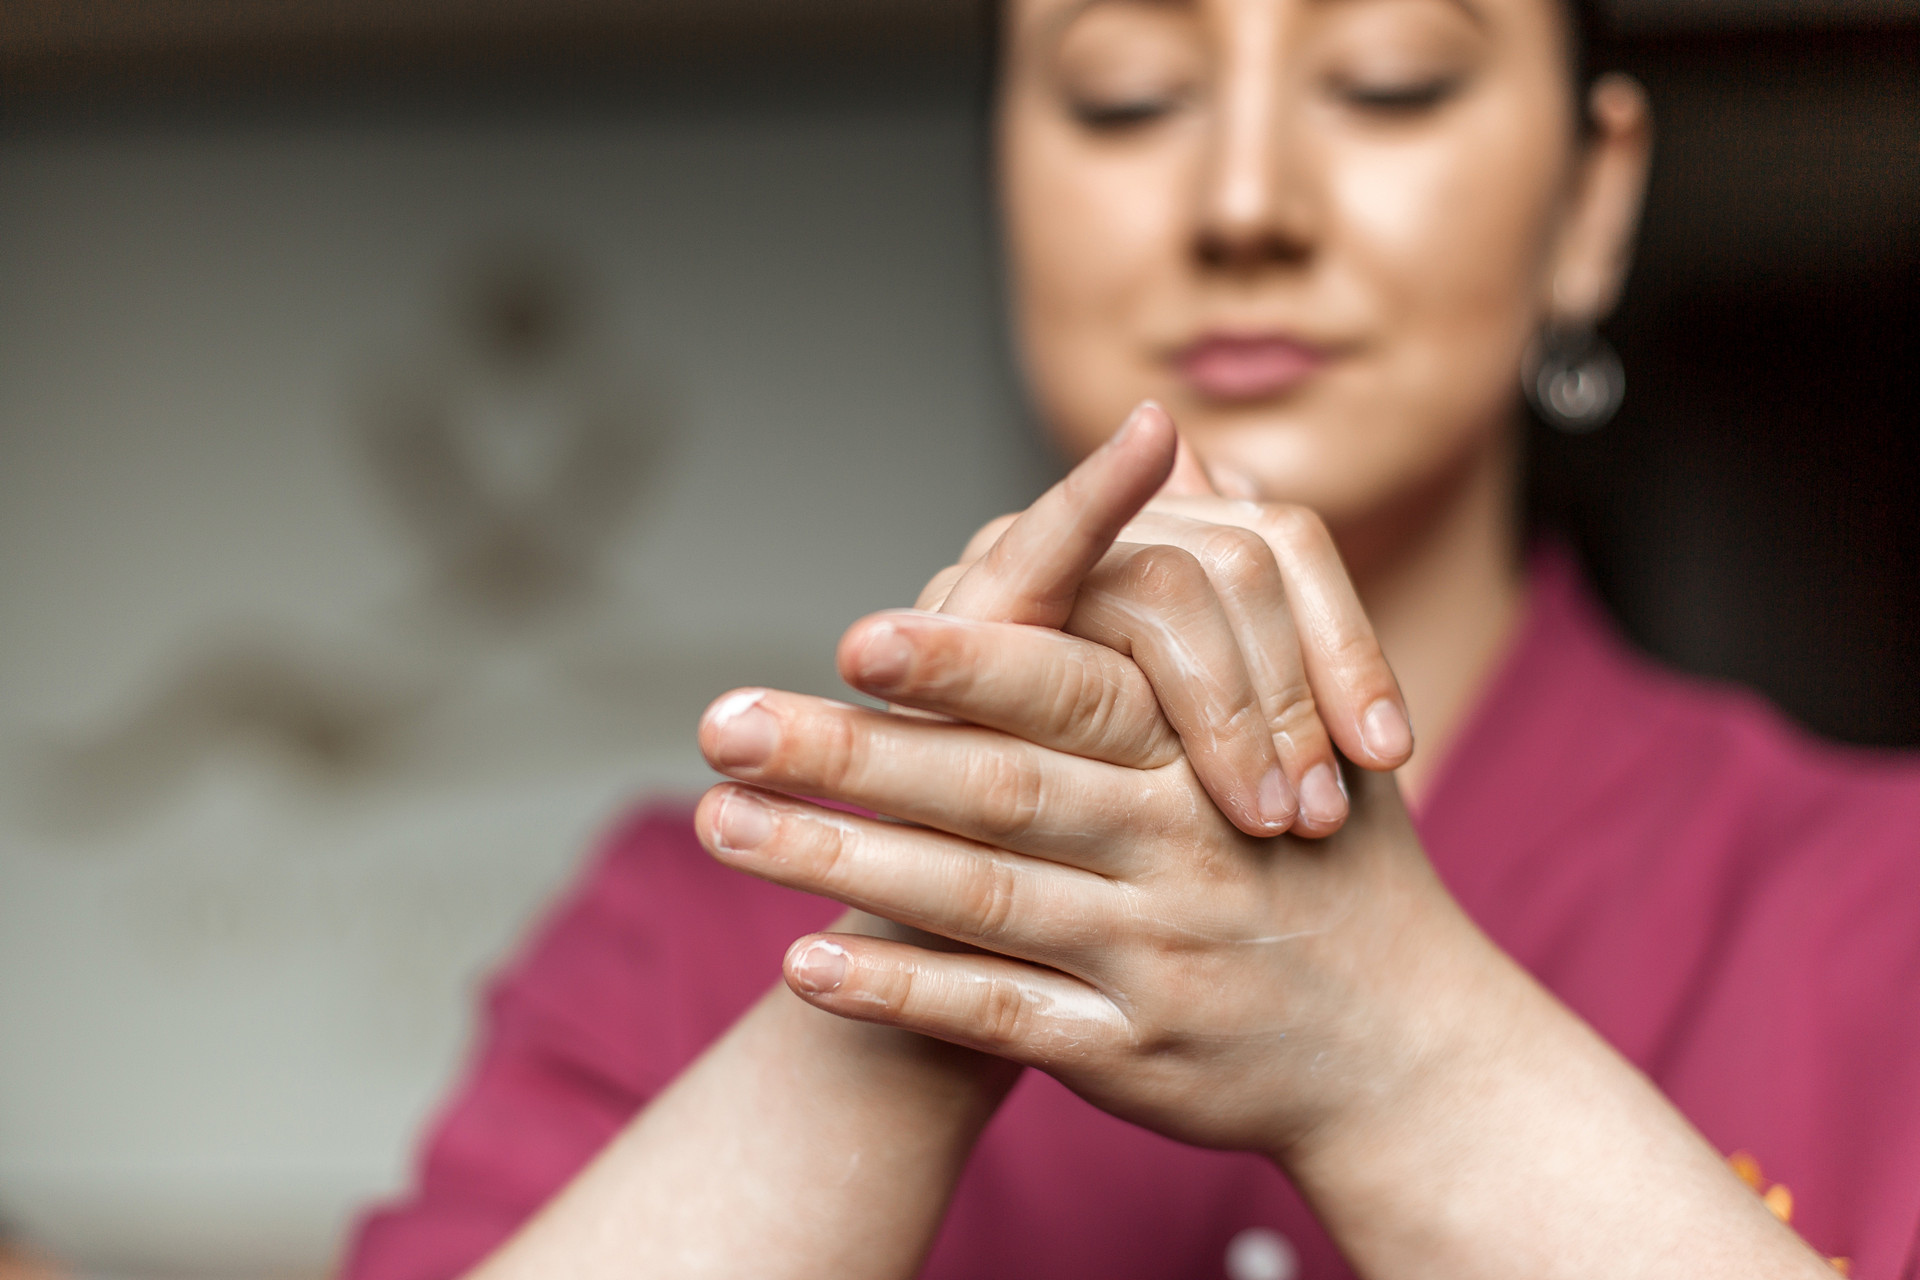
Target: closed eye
x=1399 y=99
x=1115 y=116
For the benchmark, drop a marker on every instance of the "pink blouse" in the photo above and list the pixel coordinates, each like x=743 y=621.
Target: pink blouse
x=1733 y=905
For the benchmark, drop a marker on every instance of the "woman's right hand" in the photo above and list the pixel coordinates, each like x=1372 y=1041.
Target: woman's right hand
x=1239 y=617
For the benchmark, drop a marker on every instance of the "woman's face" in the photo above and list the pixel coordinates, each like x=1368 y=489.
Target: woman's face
x=1321 y=232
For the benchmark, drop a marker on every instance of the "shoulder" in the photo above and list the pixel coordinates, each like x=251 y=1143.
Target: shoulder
x=1820 y=837
x=1736 y=772
x=1598 y=795
x=1581 y=734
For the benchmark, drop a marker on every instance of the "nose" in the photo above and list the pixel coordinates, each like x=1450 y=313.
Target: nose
x=1255 y=209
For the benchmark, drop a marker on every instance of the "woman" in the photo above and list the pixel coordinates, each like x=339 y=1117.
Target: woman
x=1325 y=234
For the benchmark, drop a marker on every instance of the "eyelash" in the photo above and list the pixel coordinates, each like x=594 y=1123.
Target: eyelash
x=1399 y=100
x=1102 y=117
x=1394 y=100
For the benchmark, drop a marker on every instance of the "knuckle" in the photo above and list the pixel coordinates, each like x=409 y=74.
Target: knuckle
x=897 y=991
x=1103 y=716
x=1356 y=650
x=1238 y=557
x=827 y=852
x=1162 y=572
x=990 y=899
x=1004 y=1012
x=1083 y=700
x=1010 y=794
x=989 y=533
x=839 y=751
x=1297 y=719
x=1246 y=721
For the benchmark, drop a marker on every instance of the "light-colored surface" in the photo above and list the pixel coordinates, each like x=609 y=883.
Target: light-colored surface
x=272 y=795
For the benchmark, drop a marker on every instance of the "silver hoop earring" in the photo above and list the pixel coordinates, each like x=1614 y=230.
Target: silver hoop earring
x=1573 y=378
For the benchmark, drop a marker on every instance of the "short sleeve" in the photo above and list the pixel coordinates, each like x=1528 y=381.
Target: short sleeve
x=647 y=959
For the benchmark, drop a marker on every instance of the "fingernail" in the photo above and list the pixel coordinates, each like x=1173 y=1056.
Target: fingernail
x=743 y=823
x=1278 y=804
x=885 y=658
x=820 y=967
x=1322 y=798
x=1385 y=730
x=747 y=733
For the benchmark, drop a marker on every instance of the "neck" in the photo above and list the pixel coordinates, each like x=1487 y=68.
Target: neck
x=1445 y=596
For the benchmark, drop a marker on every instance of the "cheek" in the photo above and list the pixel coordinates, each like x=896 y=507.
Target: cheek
x=1451 y=236
x=1094 y=236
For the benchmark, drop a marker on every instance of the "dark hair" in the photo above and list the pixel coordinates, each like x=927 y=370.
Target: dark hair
x=1587 y=47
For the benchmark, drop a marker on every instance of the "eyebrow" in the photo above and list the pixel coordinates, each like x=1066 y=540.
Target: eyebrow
x=1472 y=11
x=1065 y=16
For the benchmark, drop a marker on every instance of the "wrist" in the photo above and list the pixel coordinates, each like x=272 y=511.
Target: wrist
x=1504 y=1137
x=1456 y=1006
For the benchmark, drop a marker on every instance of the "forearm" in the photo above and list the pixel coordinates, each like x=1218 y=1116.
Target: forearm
x=798 y=1145
x=1524 y=1146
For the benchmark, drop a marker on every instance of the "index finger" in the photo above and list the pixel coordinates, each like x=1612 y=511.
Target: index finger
x=1033 y=571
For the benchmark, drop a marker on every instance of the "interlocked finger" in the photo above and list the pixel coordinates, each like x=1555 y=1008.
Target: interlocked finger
x=1031 y=908
x=1354 y=689
x=1156 y=604
x=1012 y=1010
x=1246 y=578
x=1053 y=689
x=991 y=787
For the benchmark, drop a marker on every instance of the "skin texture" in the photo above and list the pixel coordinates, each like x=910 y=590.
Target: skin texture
x=1100 y=879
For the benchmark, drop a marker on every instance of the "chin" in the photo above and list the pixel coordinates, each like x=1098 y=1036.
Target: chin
x=1291 y=460
x=1360 y=482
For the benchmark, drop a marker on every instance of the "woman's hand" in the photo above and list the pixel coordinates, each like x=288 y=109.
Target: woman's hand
x=1324 y=1002
x=1240 y=616
x=1157 y=950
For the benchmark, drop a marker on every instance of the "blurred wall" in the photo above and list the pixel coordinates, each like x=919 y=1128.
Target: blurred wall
x=381 y=499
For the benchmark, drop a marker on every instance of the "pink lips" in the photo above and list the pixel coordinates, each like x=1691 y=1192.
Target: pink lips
x=1242 y=367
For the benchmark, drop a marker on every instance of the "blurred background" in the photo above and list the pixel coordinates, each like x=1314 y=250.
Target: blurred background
x=410 y=416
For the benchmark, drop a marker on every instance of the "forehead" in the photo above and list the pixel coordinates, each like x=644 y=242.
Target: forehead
x=1039 y=16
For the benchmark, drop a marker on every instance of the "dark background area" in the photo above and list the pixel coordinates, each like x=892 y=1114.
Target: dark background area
x=1750 y=514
